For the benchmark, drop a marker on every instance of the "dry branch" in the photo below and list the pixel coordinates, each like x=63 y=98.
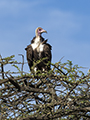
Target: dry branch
x=47 y=95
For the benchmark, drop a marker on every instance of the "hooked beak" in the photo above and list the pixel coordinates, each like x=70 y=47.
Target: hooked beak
x=43 y=31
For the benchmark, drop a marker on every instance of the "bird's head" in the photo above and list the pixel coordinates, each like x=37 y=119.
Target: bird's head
x=39 y=31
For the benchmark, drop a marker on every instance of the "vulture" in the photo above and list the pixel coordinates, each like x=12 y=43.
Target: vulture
x=37 y=50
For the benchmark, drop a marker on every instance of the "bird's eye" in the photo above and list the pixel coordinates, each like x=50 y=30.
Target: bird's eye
x=39 y=29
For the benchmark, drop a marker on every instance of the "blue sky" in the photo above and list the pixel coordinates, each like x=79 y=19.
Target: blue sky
x=66 y=21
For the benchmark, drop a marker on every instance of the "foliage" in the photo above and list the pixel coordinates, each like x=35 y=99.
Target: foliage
x=63 y=93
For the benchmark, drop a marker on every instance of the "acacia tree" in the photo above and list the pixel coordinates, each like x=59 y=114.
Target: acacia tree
x=63 y=93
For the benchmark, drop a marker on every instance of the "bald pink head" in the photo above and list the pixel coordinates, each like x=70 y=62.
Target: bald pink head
x=39 y=31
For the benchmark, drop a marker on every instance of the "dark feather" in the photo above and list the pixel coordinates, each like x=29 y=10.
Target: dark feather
x=29 y=55
x=47 y=53
x=41 y=38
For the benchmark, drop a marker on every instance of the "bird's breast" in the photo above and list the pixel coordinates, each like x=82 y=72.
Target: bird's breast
x=41 y=47
x=34 y=46
x=36 y=43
